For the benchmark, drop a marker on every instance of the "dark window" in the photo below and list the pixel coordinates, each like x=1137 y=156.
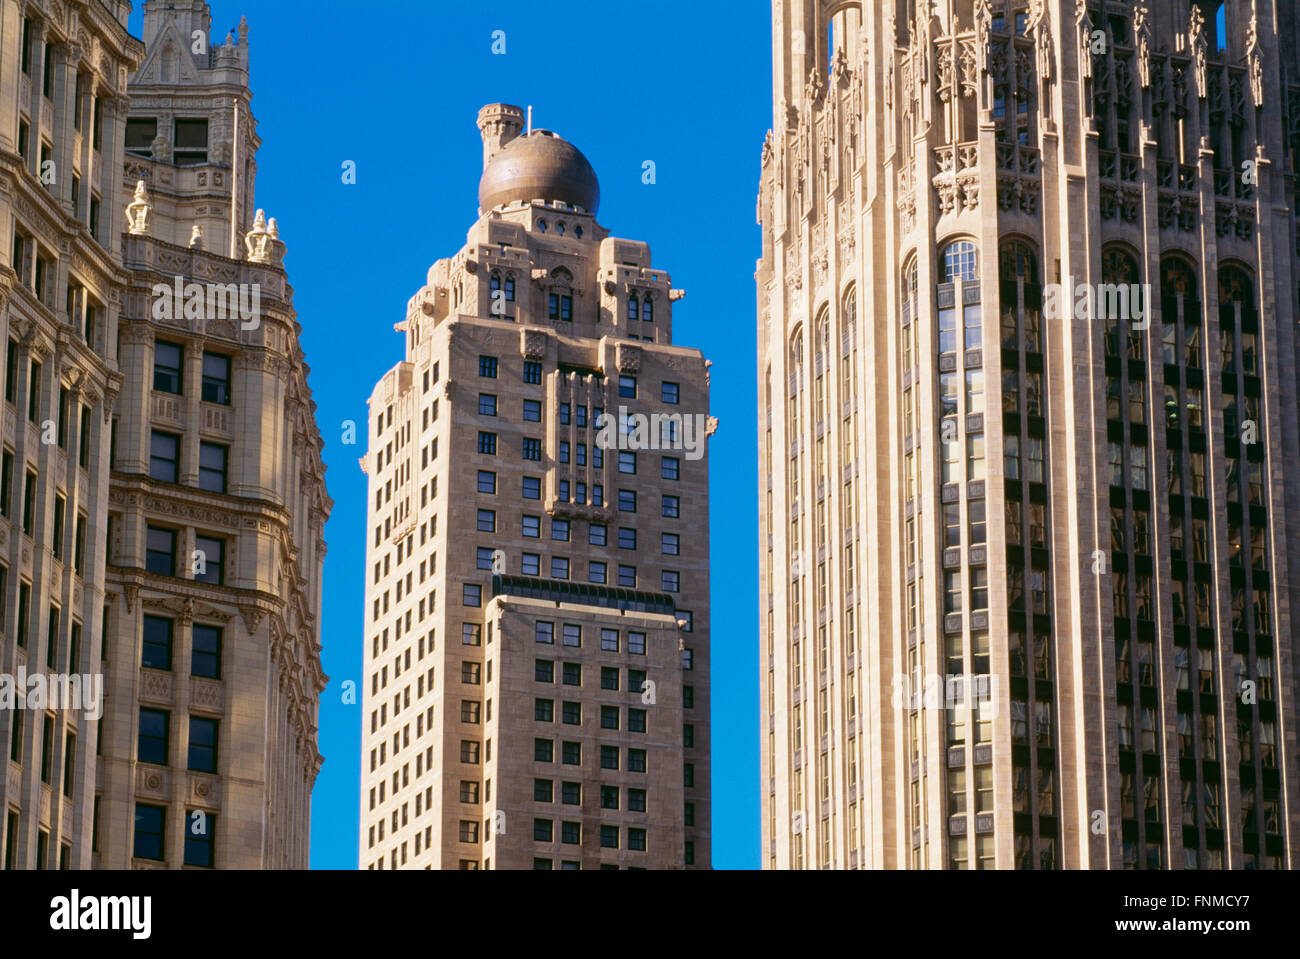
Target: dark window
x=532 y=372
x=487 y=404
x=532 y=487
x=6 y=483
x=157 y=644
x=543 y=790
x=212 y=467
x=544 y=750
x=167 y=359
x=203 y=745
x=153 y=743
x=210 y=564
x=544 y=670
x=206 y=661
x=164 y=457
x=672 y=393
x=200 y=839
x=627 y=501
x=34 y=391
x=216 y=378
x=487 y=443
x=487 y=482
x=487 y=367
x=532 y=449
x=571 y=754
x=627 y=387
x=532 y=411
x=60 y=511
x=140 y=134
x=149 y=832
x=672 y=507
x=160 y=551
x=191 y=142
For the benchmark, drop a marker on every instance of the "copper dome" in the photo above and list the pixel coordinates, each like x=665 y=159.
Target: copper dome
x=539 y=166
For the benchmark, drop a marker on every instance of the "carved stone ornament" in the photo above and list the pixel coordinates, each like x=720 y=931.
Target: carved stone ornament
x=258 y=240
x=137 y=212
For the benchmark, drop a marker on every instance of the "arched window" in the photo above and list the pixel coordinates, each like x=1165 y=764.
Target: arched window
x=1236 y=286
x=1237 y=318
x=960 y=261
x=1017 y=260
x=648 y=309
x=510 y=287
x=1119 y=270
x=495 y=283
x=541 y=226
x=1177 y=279
x=559 y=228
x=577 y=232
x=633 y=307
x=796 y=348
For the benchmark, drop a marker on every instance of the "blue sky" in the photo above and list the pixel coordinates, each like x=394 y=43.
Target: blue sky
x=396 y=87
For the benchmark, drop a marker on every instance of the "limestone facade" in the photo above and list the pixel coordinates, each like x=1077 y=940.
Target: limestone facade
x=1091 y=515
x=537 y=606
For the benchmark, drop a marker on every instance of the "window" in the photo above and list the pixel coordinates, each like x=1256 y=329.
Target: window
x=573 y=674
x=672 y=468
x=149 y=832
x=598 y=572
x=571 y=754
x=164 y=456
x=200 y=842
x=532 y=527
x=532 y=564
x=560 y=530
x=484 y=558
x=627 y=576
x=572 y=635
x=544 y=670
x=487 y=404
x=471 y=595
x=572 y=714
x=609 y=640
x=471 y=634
x=487 y=443
x=670 y=581
x=532 y=449
x=160 y=551
x=157 y=643
x=487 y=367
x=636 y=762
x=216 y=378
x=153 y=740
x=191 y=142
x=487 y=482
x=203 y=745
x=627 y=501
x=597 y=534
x=671 y=393
x=210 y=561
x=545 y=633
x=532 y=372
x=627 y=387
x=636 y=842
x=532 y=487
x=206 y=658
x=671 y=544
x=626 y=538
x=212 y=467
x=559 y=567
x=532 y=411
x=167 y=359
x=544 y=710
x=543 y=830
x=543 y=790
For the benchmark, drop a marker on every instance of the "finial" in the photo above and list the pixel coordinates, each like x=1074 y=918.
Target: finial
x=196 y=237
x=137 y=212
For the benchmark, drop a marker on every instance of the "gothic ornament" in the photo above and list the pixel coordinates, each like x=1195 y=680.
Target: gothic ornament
x=1254 y=58
x=1142 y=30
x=1199 y=45
x=137 y=212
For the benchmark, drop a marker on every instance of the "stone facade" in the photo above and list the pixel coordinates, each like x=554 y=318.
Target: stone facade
x=182 y=499
x=1089 y=514
x=494 y=508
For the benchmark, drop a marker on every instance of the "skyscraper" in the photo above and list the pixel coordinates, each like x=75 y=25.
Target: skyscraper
x=537 y=598
x=1089 y=207
x=163 y=441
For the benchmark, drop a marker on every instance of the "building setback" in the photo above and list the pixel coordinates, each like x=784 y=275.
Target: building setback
x=1091 y=514
x=537 y=598
x=169 y=539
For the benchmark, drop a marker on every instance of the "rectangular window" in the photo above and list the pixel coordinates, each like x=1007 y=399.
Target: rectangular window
x=627 y=387
x=532 y=372
x=532 y=411
x=203 y=745
x=213 y=459
x=672 y=468
x=156 y=644
x=209 y=560
x=167 y=367
x=532 y=449
x=164 y=457
x=154 y=738
x=160 y=551
x=636 y=643
x=206 y=659
x=487 y=404
x=532 y=487
x=150 y=834
x=487 y=367
x=487 y=443
x=216 y=378
x=200 y=839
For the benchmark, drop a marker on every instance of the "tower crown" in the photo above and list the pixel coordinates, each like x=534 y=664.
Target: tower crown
x=540 y=165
